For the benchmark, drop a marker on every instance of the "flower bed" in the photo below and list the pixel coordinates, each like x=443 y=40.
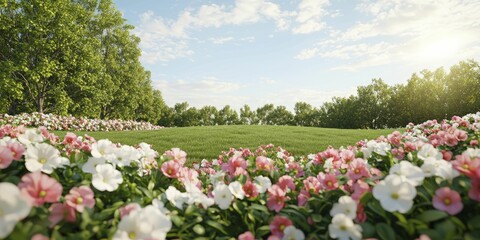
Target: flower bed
x=69 y=123
x=421 y=184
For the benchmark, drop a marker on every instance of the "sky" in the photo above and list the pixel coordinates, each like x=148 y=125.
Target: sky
x=258 y=51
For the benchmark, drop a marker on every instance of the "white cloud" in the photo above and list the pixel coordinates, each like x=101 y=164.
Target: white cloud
x=307 y=53
x=199 y=93
x=267 y=81
x=166 y=39
x=221 y=40
x=411 y=32
x=310 y=16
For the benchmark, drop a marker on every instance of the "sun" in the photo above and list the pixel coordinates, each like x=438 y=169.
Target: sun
x=439 y=48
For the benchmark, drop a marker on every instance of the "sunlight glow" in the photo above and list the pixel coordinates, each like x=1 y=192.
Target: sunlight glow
x=438 y=49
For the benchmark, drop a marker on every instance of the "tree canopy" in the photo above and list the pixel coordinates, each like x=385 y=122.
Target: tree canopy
x=73 y=57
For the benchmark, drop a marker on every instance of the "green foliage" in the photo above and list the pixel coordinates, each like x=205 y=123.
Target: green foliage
x=72 y=57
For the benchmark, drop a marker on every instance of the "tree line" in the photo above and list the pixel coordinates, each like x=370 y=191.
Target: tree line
x=73 y=57
x=427 y=95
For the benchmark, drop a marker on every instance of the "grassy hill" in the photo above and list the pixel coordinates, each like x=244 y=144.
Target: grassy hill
x=209 y=142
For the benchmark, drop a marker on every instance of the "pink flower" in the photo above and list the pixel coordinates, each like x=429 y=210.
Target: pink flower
x=285 y=182
x=278 y=224
x=361 y=215
x=276 y=198
x=59 y=211
x=296 y=168
x=177 y=155
x=464 y=164
x=17 y=150
x=460 y=135
x=39 y=236
x=474 y=192
x=246 y=236
x=171 y=169
x=303 y=197
x=79 y=198
x=359 y=188
x=358 y=169
x=312 y=184
x=250 y=189
x=236 y=165
x=447 y=200
x=6 y=157
x=39 y=188
x=395 y=138
x=474 y=143
x=124 y=211
x=347 y=156
x=263 y=163
x=447 y=155
x=328 y=181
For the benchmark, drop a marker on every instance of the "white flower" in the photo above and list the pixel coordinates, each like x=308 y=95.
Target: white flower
x=292 y=233
x=147 y=151
x=103 y=148
x=473 y=152
x=342 y=227
x=395 y=194
x=262 y=183
x=428 y=151
x=147 y=223
x=195 y=195
x=13 y=208
x=91 y=164
x=382 y=148
x=280 y=154
x=106 y=178
x=42 y=156
x=124 y=155
x=176 y=197
x=373 y=146
x=311 y=156
x=408 y=172
x=217 y=177
x=236 y=189
x=30 y=136
x=328 y=163
x=345 y=205
x=160 y=206
x=440 y=168
x=222 y=196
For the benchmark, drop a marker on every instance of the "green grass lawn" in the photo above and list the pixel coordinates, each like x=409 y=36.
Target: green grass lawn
x=209 y=142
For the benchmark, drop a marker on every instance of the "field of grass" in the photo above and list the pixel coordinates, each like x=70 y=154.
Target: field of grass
x=209 y=142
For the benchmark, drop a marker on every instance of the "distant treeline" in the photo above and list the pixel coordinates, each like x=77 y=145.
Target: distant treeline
x=427 y=95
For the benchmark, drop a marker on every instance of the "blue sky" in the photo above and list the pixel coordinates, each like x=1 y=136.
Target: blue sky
x=258 y=51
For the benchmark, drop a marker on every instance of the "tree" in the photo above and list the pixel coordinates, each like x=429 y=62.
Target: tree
x=208 y=115
x=44 y=52
x=373 y=102
x=462 y=86
x=262 y=114
x=227 y=116
x=304 y=114
x=247 y=116
x=280 y=116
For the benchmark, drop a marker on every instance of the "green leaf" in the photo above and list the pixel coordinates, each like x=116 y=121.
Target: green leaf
x=151 y=185
x=368 y=230
x=262 y=231
x=217 y=226
x=198 y=229
x=385 y=232
x=432 y=215
x=259 y=208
